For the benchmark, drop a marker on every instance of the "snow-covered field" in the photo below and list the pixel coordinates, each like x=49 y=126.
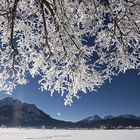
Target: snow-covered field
x=38 y=134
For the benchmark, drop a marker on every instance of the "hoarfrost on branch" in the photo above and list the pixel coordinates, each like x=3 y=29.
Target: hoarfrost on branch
x=52 y=39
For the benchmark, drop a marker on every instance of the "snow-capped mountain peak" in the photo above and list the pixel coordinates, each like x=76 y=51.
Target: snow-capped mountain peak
x=93 y=118
x=108 y=117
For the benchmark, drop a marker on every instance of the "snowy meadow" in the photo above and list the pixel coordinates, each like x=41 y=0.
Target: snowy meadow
x=38 y=134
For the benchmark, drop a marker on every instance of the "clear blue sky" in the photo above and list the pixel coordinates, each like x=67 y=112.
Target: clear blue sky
x=119 y=97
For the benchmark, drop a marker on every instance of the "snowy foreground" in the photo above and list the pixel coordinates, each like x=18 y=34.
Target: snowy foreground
x=37 y=134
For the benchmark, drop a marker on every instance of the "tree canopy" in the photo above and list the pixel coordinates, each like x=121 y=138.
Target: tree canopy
x=72 y=45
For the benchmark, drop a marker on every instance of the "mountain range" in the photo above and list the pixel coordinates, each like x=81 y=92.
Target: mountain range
x=14 y=113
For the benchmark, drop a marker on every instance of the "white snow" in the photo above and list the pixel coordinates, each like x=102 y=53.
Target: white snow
x=38 y=134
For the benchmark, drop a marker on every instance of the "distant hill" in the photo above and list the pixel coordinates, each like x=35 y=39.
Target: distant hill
x=14 y=113
x=91 y=118
x=121 y=121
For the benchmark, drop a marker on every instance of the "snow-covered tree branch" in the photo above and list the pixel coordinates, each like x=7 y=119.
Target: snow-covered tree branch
x=73 y=45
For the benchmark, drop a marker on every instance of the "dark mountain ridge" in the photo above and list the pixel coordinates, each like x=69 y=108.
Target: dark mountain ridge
x=14 y=113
